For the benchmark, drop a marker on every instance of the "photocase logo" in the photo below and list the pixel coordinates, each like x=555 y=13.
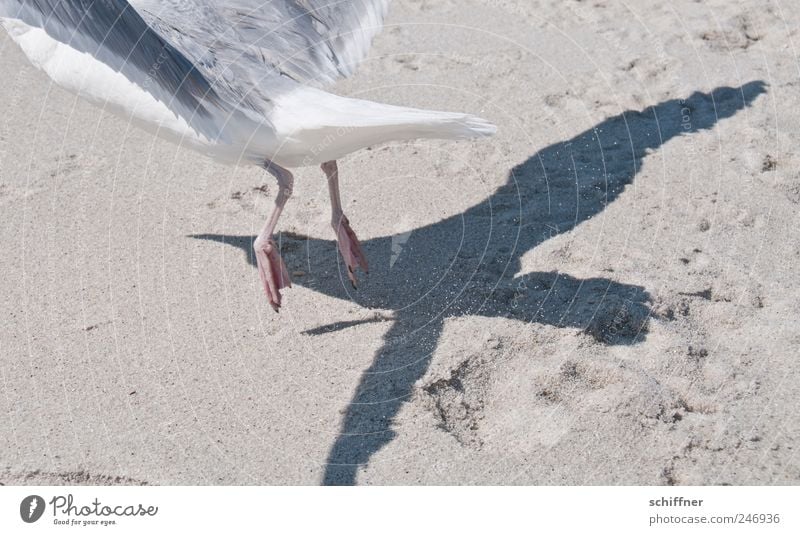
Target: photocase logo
x=31 y=508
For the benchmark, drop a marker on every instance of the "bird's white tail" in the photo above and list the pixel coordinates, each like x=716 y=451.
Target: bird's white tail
x=315 y=126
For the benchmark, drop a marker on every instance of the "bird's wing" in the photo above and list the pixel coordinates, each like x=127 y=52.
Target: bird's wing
x=115 y=33
x=309 y=41
x=212 y=55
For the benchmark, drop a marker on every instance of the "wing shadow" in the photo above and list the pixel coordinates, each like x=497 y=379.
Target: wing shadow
x=466 y=263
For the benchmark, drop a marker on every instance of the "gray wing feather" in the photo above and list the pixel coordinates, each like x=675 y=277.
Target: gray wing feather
x=223 y=53
x=346 y=28
x=116 y=34
x=309 y=41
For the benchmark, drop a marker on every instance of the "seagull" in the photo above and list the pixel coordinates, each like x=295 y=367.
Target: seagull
x=240 y=81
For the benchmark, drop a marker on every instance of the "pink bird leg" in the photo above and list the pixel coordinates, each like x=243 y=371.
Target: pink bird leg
x=271 y=269
x=349 y=246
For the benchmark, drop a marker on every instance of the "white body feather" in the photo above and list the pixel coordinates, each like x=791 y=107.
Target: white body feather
x=314 y=126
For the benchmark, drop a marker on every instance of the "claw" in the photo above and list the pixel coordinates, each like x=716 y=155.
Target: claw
x=350 y=249
x=272 y=271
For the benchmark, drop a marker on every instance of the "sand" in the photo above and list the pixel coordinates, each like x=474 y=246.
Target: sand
x=604 y=293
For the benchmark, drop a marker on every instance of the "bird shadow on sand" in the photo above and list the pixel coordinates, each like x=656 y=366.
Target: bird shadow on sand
x=468 y=264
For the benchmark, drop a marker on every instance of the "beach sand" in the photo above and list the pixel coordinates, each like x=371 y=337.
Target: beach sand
x=604 y=293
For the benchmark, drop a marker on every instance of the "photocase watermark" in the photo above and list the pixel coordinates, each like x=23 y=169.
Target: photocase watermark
x=325 y=143
x=66 y=511
x=155 y=67
x=619 y=322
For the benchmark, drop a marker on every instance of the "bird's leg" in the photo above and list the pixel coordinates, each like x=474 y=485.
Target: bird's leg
x=271 y=269
x=349 y=245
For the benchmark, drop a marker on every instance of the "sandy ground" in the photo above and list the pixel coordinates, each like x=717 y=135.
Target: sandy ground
x=605 y=293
